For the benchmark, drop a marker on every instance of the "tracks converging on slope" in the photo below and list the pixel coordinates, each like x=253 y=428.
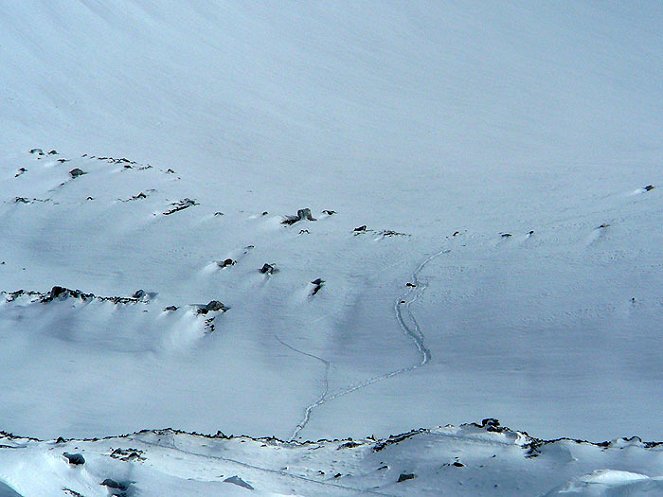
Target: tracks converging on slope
x=325 y=390
x=410 y=327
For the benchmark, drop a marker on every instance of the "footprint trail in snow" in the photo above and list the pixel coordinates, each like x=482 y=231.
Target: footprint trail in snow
x=410 y=327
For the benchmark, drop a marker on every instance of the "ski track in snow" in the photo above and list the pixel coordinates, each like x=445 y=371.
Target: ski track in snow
x=411 y=330
x=325 y=390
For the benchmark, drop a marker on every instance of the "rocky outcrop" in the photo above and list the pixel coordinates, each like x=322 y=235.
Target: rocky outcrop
x=302 y=214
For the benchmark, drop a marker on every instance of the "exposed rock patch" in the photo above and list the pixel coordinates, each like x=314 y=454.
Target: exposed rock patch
x=181 y=205
x=317 y=283
x=127 y=455
x=75 y=459
x=406 y=476
x=212 y=306
x=62 y=293
x=268 y=268
x=302 y=214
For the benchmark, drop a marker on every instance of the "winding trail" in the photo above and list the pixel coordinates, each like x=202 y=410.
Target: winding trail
x=325 y=390
x=409 y=326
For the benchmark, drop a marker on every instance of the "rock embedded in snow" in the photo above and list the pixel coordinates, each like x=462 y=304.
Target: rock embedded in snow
x=76 y=172
x=75 y=459
x=406 y=476
x=212 y=306
x=317 y=283
x=59 y=292
x=139 y=294
x=268 y=268
x=179 y=206
x=491 y=424
x=302 y=214
x=236 y=480
x=128 y=455
x=114 y=484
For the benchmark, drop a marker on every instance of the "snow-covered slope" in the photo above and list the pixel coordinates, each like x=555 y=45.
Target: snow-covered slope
x=538 y=328
x=484 y=240
x=454 y=461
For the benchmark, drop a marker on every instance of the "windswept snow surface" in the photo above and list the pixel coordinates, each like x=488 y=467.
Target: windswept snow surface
x=453 y=461
x=504 y=159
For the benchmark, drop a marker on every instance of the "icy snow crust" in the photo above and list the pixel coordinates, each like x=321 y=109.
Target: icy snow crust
x=483 y=236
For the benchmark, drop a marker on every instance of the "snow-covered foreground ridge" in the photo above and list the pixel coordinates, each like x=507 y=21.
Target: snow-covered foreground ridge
x=469 y=460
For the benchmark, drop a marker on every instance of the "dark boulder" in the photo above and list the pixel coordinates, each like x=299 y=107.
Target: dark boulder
x=268 y=269
x=492 y=424
x=60 y=293
x=406 y=476
x=116 y=485
x=317 y=283
x=74 y=459
x=302 y=214
x=212 y=306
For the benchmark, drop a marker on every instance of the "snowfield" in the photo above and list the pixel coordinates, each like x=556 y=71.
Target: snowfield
x=301 y=222
x=478 y=460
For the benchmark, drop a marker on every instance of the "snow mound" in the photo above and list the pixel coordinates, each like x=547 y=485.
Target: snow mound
x=611 y=483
